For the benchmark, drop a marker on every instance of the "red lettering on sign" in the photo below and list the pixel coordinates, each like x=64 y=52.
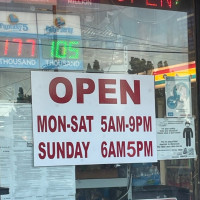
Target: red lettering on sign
x=103 y=123
x=138 y=122
x=103 y=91
x=78 y=151
x=147 y=124
x=151 y=4
x=84 y=124
x=51 y=150
x=132 y=123
x=41 y=147
x=111 y=125
x=70 y=149
x=74 y=128
x=90 y=118
x=134 y=95
x=148 y=149
x=59 y=123
x=52 y=123
x=126 y=148
x=52 y=90
x=42 y=123
x=104 y=150
x=111 y=150
x=131 y=149
x=121 y=149
x=139 y=147
x=80 y=88
x=60 y=150
x=86 y=148
x=169 y=2
x=118 y=123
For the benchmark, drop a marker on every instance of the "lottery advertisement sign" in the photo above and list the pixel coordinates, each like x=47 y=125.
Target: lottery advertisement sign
x=51 y=42
x=60 y=39
x=18 y=48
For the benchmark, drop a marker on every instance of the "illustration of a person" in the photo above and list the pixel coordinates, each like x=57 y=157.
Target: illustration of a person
x=187 y=133
x=184 y=97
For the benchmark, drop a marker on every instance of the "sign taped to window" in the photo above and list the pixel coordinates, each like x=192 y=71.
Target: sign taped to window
x=93 y=118
x=175 y=138
x=178 y=96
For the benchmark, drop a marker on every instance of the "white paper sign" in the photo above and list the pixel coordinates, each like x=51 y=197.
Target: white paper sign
x=175 y=138
x=178 y=96
x=93 y=118
x=16 y=166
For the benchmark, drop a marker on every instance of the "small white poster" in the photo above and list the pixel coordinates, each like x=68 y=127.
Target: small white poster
x=178 y=96
x=175 y=138
x=16 y=155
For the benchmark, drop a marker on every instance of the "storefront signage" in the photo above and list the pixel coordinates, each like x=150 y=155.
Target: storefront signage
x=151 y=3
x=56 y=45
x=175 y=138
x=178 y=96
x=93 y=118
x=180 y=5
x=183 y=69
x=18 y=47
x=60 y=39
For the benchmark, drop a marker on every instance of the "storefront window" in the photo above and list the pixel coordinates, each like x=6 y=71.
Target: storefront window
x=105 y=46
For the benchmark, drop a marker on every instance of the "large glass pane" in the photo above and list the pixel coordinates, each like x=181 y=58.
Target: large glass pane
x=154 y=38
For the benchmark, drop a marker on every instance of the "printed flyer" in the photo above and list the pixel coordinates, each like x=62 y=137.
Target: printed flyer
x=175 y=138
x=178 y=96
x=16 y=167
